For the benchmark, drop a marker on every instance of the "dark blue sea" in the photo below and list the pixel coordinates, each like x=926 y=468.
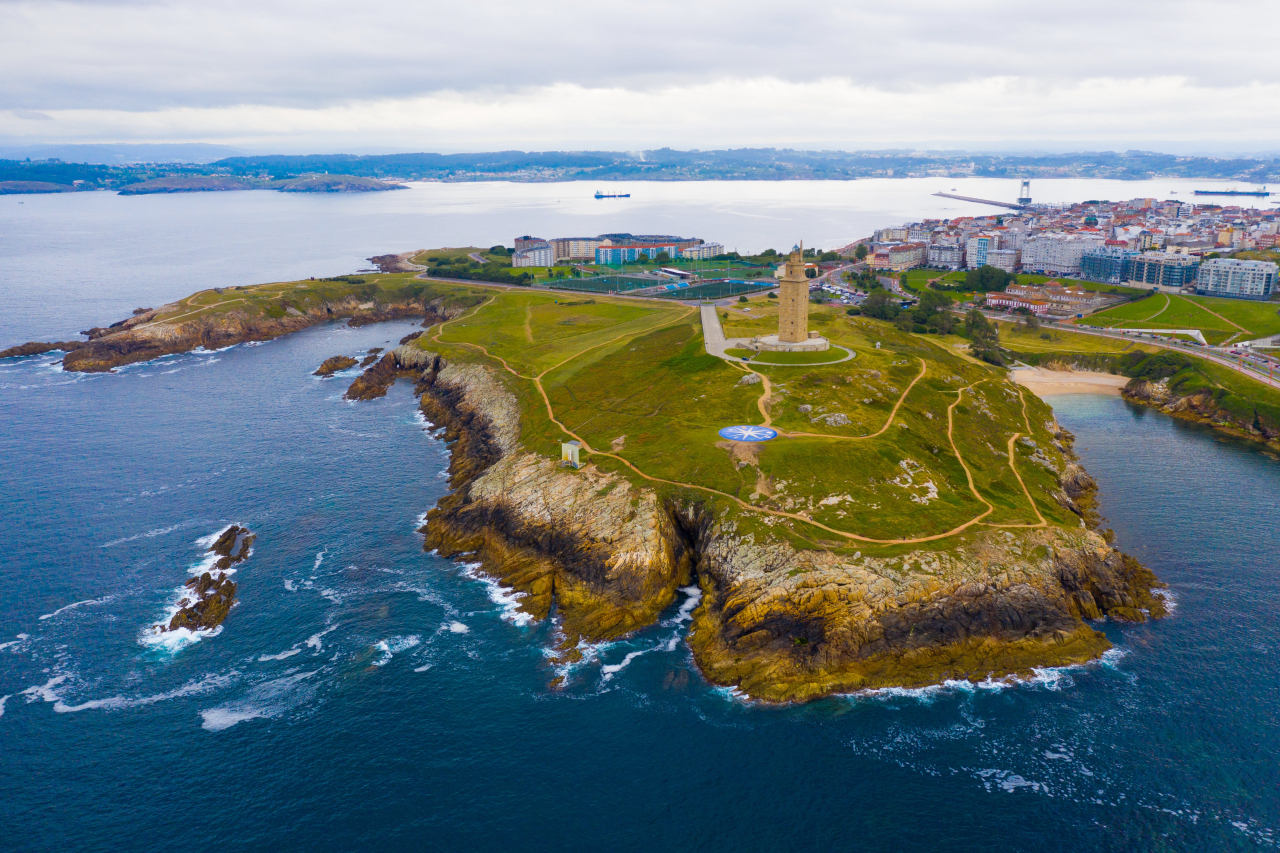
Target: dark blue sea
x=365 y=695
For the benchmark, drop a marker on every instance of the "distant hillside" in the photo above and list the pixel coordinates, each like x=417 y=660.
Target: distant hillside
x=744 y=164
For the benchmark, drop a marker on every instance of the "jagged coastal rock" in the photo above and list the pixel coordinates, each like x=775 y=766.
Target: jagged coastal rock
x=333 y=364
x=606 y=557
x=211 y=595
x=40 y=348
x=168 y=330
x=1207 y=407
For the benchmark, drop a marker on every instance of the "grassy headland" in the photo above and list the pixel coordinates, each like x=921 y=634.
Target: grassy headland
x=918 y=517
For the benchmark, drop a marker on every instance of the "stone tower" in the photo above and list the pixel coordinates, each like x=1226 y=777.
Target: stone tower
x=793 y=301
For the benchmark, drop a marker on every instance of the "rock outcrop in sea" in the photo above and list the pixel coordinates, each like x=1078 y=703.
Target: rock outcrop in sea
x=333 y=364
x=211 y=595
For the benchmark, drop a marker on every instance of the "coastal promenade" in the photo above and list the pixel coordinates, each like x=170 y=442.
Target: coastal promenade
x=1198 y=352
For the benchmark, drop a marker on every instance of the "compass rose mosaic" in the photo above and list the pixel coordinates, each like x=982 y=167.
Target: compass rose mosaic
x=748 y=433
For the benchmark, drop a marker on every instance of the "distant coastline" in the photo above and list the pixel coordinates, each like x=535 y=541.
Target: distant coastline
x=362 y=173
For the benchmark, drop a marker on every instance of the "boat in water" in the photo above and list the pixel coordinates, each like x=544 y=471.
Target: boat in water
x=1262 y=193
x=612 y=195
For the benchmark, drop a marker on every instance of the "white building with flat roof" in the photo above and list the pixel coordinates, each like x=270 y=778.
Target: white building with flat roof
x=1057 y=254
x=534 y=255
x=702 y=252
x=1237 y=279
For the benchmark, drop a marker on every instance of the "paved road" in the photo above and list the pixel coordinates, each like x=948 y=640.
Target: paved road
x=475 y=256
x=713 y=334
x=1199 y=352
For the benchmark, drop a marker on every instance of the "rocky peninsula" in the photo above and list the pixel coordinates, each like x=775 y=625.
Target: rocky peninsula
x=939 y=528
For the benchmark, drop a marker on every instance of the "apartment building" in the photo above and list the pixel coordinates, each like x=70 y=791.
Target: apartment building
x=1236 y=279
x=899 y=257
x=945 y=257
x=978 y=247
x=575 y=248
x=1057 y=253
x=1005 y=259
x=1163 y=269
x=620 y=254
x=533 y=254
x=1111 y=263
x=704 y=252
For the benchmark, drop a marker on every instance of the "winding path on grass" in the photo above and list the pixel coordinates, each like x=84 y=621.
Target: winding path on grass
x=1167 y=303
x=795 y=516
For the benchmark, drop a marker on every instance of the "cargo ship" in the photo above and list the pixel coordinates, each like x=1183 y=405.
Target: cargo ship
x=612 y=195
x=1262 y=193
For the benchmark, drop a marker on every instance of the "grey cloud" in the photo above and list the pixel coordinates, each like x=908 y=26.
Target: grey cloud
x=149 y=55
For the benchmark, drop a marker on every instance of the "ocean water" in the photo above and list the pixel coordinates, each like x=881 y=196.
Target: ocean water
x=75 y=260
x=365 y=694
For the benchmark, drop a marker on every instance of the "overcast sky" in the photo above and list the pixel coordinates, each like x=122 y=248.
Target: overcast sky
x=287 y=75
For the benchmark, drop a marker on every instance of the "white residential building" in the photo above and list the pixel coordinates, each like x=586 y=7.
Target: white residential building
x=945 y=257
x=1239 y=279
x=575 y=248
x=1057 y=254
x=1005 y=259
x=534 y=255
x=702 y=252
x=978 y=247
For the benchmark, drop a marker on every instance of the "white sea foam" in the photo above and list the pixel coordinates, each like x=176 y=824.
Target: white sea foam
x=3 y=699
x=422 y=668
x=421 y=420
x=1170 y=600
x=287 y=653
x=177 y=639
x=457 y=628
x=670 y=644
x=507 y=599
x=291 y=585
x=206 y=542
x=73 y=605
x=1008 y=781
x=266 y=700
x=609 y=670
x=44 y=691
x=733 y=694
x=392 y=645
x=21 y=638
x=116 y=703
x=315 y=641
x=150 y=534
x=319 y=559
x=1112 y=656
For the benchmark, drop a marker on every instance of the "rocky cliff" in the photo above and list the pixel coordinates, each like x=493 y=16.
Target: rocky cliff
x=166 y=331
x=1226 y=412
x=603 y=553
x=607 y=556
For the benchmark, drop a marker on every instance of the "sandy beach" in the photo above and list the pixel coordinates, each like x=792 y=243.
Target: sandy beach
x=1044 y=383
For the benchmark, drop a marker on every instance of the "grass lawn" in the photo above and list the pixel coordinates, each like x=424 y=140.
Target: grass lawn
x=637 y=378
x=1218 y=319
x=1093 y=286
x=1015 y=337
x=825 y=357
